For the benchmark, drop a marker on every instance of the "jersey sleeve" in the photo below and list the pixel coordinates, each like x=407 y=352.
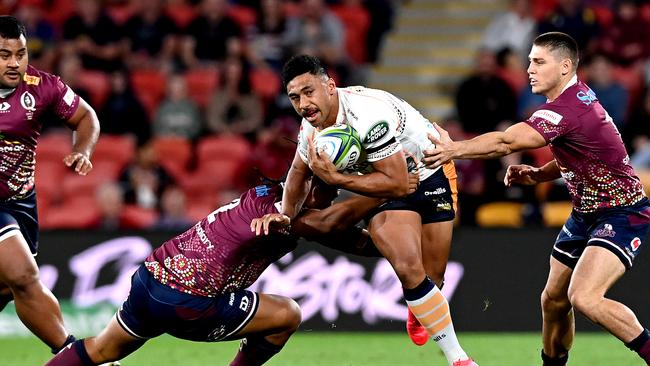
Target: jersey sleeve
x=378 y=137
x=306 y=130
x=550 y=122
x=63 y=100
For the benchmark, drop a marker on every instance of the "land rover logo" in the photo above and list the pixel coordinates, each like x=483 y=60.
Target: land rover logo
x=377 y=132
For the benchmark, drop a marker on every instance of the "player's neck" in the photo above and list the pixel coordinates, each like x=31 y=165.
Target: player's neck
x=563 y=85
x=334 y=113
x=5 y=92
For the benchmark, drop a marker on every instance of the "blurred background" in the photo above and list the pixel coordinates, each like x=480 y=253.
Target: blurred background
x=192 y=113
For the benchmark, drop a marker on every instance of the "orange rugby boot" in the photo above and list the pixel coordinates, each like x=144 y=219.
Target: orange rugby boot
x=416 y=331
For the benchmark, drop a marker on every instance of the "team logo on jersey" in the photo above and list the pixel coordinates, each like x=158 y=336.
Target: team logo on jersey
x=28 y=101
x=31 y=79
x=548 y=115
x=607 y=230
x=635 y=243
x=377 y=131
x=588 y=97
x=4 y=107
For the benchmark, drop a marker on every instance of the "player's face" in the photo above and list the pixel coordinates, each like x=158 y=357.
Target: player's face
x=13 y=61
x=314 y=98
x=546 y=70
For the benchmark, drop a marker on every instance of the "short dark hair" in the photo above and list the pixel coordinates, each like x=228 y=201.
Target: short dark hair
x=11 y=28
x=301 y=64
x=558 y=41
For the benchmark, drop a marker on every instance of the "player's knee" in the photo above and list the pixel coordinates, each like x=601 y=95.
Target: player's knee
x=293 y=316
x=583 y=301
x=409 y=271
x=23 y=281
x=553 y=301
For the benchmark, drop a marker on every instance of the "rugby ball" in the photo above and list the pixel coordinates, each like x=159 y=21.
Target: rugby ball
x=341 y=144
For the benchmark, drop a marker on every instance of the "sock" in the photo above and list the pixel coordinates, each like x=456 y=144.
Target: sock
x=73 y=355
x=67 y=341
x=431 y=308
x=254 y=351
x=554 y=361
x=641 y=345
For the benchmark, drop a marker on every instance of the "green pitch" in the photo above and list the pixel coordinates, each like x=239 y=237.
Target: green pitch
x=352 y=349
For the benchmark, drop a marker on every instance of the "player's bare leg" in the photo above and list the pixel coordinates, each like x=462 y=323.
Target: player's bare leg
x=276 y=319
x=436 y=244
x=5 y=296
x=397 y=235
x=113 y=343
x=596 y=272
x=558 y=326
x=35 y=305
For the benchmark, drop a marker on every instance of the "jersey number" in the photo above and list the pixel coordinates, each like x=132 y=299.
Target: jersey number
x=213 y=216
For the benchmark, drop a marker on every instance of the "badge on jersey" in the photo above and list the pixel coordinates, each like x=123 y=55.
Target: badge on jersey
x=376 y=132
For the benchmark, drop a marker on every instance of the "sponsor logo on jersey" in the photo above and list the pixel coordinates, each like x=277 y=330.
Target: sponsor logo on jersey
x=262 y=191
x=4 y=107
x=377 y=131
x=567 y=232
x=202 y=236
x=443 y=206
x=31 y=79
x=587 y=97
x=217 y=333
x=436 y=192
x=68 y=98
x=606 y=231
x=548 y=115
x=635 y=243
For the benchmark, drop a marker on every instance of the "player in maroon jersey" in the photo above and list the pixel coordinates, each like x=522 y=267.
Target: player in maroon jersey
x=26 y=96
x=611 y=214
x=194 y=286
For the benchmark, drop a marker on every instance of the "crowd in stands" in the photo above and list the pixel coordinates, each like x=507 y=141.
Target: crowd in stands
x=188 y=95
x=191 y=108
x=614 y=41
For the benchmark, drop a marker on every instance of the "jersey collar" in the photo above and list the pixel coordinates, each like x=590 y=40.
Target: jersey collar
x=340 y=116
x=6 y=92
x=572 y=82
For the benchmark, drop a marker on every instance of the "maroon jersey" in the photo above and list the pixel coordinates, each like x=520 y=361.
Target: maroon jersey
x=220 y=253
x=588 y=149
x=20 y=125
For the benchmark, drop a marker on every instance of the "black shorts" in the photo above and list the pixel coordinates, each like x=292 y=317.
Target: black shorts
x=20 y=215
x=621 y=230
x=434 y=200
x=153 y=309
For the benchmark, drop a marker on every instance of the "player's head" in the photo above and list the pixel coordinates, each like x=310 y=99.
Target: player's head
x=321 y=194
x=13 y=51
x=311 y=90
x=553 y=61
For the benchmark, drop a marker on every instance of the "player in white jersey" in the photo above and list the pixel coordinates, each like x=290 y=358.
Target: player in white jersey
x=412 y=231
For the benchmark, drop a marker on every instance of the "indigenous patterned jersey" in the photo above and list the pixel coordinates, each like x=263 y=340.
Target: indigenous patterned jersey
x=220 y=253
x=385 y=123
x=588 y=150
x=20 y=125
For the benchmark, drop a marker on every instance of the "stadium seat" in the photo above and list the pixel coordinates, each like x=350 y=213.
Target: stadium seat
x=556 y=213
x=53 y=147
x=77 y=213
x=198 y=210
x=150 y=87
x=265 y=83
x=138 y=217
x=174 y=154
x=120 y=12
x=59 y=11
x=233 y=148
x=181 y=13
x=98 y=85
x=201 y=84
x=604 y=15
x=499 y=214
x=245 y=16
x=356 y=21
x=119 y=149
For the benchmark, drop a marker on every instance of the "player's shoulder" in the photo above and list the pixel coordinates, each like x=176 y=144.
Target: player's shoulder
x=365 y=107
x=36 y=78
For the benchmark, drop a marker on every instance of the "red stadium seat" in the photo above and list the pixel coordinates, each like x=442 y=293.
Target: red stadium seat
x=138 y=217
x=181 y=13
x=201 y=84
x=78 y=213
x=174 y=153
x=118 y=149
x=98 y=85
x=245 y=16
x=120 y=12
x=223 y=148
x=356 y=20
x=265 y=83
x=53 y=146
x=150 y=87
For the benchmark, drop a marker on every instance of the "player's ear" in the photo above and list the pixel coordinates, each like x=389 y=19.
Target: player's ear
x=567 y=66
x=331 y=86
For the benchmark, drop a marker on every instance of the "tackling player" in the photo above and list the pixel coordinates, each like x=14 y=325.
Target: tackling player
x=27 y=95
x=193 y=286
x=611 y=214
x=411 y=230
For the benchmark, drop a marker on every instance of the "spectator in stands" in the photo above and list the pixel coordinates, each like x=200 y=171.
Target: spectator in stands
x=266 y=38
x=123 y=113
x=611 y=94
x=178 y=115
x=173 y=211
x=144 y=180
x=318 y=32
x=511 y=69
x=234 y=108
x=110 y=201
x=572 y=18
x=636 y=134
x=42 y=35
x=273 y=152
x=627 y=40
x=207 y=36
x=382 y=13
x=356 y=22
x=513 y=30
x=152 y=36
x=484 y=100
x=94 y=36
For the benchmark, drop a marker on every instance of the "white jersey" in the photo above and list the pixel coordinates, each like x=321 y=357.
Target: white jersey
x=385 y=123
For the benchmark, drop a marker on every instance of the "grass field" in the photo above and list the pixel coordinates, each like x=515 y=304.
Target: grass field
x=352 y=349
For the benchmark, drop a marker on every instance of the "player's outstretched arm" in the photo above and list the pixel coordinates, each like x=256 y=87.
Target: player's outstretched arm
x=496 y=144
x=528 y=175
x=296 y=187
x=85 y=124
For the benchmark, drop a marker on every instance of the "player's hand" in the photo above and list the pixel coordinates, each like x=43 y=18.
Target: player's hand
x=444 y=149
x=80 y=162
x=520 y=174
x=277 y=221
x=320 y=164
x=414 y=182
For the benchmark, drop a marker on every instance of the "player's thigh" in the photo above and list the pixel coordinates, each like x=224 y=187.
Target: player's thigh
x=597 y=270
x=397 y=233
x=17 y=265
x=112 y=343
x=436 y=244
x=274 y=314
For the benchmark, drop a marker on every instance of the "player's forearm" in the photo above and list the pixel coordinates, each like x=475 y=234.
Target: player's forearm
x=293 y=197
x=86 y=133
x=487 y=146
x=550 y=171
x=376 y=184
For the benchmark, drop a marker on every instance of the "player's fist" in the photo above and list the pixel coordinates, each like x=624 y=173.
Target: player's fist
x=279 y=222
x=521 y=174
x=79 y=162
